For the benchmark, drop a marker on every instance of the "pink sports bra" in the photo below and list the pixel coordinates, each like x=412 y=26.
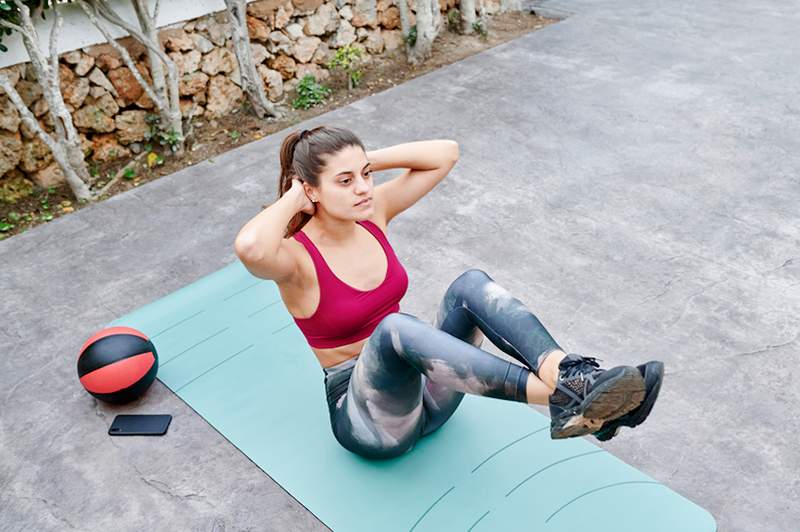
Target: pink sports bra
x=346 y=314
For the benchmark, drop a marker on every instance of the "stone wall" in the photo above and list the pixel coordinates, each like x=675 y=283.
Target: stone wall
x=289 y=39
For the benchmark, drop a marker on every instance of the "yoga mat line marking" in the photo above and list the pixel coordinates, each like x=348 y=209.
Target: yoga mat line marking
x=214 y=367
x=506 y=447
x=602 y=488
x=178 y=323
x=195 y=345
x=551 y=465
x=263 y=308
x=242 y=290
x=479 y=520
x=282 y=328
x=431 y=507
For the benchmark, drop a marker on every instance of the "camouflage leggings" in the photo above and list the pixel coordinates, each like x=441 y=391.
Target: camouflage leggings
x=410 y=376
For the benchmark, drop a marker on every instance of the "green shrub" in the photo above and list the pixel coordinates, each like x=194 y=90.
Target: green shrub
x=454 y=20
x=346 y=58
x=310 y=93
x=411 y=38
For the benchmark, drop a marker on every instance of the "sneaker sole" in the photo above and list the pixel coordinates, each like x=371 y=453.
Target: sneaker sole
x=654 y=376
x=612 y=398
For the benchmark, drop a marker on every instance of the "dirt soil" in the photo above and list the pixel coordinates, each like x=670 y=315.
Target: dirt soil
x=212 y=137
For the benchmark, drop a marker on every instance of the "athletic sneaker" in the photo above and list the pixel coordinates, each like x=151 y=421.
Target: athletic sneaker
x=587 y=396
x=653 y=374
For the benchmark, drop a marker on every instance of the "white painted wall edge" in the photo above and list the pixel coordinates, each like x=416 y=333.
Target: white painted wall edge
x=77 y=32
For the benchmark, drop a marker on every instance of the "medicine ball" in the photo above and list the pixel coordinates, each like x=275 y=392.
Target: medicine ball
x=117 y=364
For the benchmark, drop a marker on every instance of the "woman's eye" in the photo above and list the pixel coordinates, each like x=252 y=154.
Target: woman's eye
x=346 y=181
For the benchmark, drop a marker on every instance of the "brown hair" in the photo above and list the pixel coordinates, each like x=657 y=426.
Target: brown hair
x=302 y=156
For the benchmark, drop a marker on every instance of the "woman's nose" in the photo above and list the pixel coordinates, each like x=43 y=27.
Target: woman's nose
x=362 y=185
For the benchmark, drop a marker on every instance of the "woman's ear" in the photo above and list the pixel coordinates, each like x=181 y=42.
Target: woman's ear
x=310 y=192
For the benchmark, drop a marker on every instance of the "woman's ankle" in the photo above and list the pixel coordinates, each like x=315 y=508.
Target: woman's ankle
x=537 y=392
x=548 y=367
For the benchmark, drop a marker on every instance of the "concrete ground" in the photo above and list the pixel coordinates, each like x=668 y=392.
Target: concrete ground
x=630 y=173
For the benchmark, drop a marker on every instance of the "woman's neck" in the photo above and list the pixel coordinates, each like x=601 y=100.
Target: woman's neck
x=332 y=232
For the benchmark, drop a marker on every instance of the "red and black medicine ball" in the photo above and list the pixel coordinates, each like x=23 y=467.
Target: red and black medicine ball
x=117 y=364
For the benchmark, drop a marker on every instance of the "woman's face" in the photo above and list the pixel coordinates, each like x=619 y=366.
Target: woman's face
x=346 y=180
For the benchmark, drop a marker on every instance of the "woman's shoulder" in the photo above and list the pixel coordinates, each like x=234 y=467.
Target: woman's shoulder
x=377 y=220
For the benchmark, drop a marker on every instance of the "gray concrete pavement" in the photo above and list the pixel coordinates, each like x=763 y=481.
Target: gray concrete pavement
x=630 y=173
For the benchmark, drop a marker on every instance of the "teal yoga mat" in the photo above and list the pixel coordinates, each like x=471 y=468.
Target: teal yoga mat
x=229 y=348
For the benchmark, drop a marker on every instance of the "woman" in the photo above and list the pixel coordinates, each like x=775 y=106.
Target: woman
x=391 y=378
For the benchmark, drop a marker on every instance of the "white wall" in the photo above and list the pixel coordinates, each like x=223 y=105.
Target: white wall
x=77 y=32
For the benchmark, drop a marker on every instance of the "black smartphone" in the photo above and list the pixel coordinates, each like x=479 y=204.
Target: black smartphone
x=140 y=425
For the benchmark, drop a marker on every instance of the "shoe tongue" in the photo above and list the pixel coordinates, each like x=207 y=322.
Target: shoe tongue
x=570 y=363
x=573 y=365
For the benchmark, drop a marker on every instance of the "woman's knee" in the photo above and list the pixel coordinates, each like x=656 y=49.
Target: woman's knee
x=392 y=333
x=395 y=324
x=469 y=282
x=383 y=357
x=471 y=278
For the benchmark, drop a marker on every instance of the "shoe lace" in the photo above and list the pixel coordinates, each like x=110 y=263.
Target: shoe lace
x=575 y=372
x=579 y=366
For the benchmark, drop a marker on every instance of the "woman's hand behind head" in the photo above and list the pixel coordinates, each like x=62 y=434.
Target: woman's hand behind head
x=309 y=206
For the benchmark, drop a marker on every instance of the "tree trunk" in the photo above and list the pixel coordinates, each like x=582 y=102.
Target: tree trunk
x=405 y=27
x=467 y=8
x=436 y=18
x=165 y=86
x=66 y=146
x=167 y=101
x=251 y=81
x=482 y=16
x=149 y=26
x=425 y=32
x=66 y=161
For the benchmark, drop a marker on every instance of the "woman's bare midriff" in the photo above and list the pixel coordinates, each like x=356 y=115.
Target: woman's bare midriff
x=301 y=296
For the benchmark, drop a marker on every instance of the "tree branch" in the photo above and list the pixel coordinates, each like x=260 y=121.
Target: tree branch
x=24 y=13
x=126 y=57
x=53 y=43
x=168 y=103
x=25 y=114
x=120 y=173
x=107 y=13
x=30 y=34
x=12 y=26
x=110 y=15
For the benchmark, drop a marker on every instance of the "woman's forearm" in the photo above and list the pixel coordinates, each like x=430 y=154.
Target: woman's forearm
x=418 y=155
x=261 y=236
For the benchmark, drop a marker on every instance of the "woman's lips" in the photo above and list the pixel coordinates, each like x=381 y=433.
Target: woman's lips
x=363 y=202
